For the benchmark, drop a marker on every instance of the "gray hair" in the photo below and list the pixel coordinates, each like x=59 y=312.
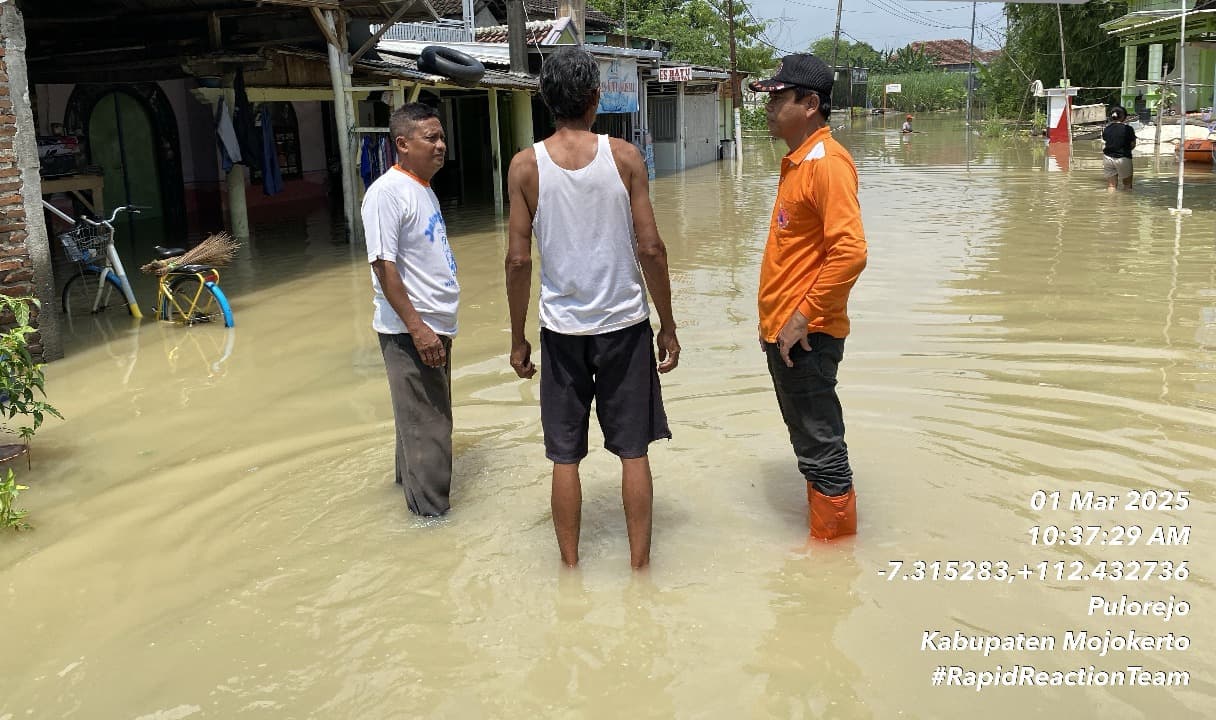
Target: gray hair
x=569 y=81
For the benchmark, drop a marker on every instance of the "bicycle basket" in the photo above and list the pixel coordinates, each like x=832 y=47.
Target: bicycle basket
x=85 y=243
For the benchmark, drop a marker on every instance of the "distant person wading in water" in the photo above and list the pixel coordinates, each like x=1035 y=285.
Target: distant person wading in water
x=1119 y=141
x=586 y=198
x=907 y=127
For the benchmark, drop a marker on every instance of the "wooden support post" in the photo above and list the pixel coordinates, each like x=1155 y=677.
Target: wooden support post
x=495 y=148
x=343 y=121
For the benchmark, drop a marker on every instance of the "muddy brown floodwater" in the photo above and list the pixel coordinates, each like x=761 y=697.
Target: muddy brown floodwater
x=218 y=535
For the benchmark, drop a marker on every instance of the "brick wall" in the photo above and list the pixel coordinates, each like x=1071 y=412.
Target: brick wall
x=24 y=252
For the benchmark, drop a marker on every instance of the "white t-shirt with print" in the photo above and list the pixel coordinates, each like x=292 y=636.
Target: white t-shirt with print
x=402 y=224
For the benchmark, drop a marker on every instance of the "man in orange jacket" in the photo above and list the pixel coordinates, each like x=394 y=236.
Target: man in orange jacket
x=816 y=250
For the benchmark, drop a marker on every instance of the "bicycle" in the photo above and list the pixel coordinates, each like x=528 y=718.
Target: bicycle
x=186 y=294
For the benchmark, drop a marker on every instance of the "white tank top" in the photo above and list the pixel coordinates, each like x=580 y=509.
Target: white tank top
x=590 y=282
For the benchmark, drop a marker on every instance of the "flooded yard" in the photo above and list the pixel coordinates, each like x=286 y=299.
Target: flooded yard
x=217 y=533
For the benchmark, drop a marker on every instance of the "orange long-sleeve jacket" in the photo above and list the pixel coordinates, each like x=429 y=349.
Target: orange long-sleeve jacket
x=816 y=246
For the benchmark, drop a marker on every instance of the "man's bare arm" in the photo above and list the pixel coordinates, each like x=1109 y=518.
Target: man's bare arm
x=522 y=183
x=429 y=346
x=652 y=253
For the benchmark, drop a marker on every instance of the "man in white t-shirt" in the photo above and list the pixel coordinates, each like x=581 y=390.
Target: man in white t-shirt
x=416 y=296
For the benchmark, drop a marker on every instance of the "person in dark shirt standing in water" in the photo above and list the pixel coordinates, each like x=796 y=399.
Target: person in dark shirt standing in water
x=1119 y=141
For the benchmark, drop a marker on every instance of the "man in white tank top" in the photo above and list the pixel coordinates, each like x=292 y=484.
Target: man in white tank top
x=586 y=197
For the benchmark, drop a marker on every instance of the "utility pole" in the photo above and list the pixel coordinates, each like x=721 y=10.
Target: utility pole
x=971 y=67
x=735 y=100
x=836 y=37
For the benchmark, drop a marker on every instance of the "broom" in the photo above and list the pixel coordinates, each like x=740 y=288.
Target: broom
x=217 y=250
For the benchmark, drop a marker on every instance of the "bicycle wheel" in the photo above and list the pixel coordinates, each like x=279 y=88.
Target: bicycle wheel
x=80 y=293
x=210 y=304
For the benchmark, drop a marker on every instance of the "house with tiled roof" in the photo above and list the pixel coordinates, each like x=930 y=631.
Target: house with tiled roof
x=954 y=55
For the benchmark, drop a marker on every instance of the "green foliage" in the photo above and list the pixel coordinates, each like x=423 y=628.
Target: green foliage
x=1038 y=123
x=697 y=31
x=753 y=118
x=10 y=517
x=859 y=54
x=993 y=127
x=921 y=91
x=21 y=378
x=852 y=54
x=1032 y=52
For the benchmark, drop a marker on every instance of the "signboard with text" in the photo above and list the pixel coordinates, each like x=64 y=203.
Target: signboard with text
x=618 y=86
x=675 y=74
x=894 y=88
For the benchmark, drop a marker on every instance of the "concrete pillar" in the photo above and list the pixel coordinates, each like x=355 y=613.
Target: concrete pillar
x=521 y=119
x=1130 y=54
x=680 y=134
x=495 y=148
x=1155 y=52
x=26 y=255
x=238 y=211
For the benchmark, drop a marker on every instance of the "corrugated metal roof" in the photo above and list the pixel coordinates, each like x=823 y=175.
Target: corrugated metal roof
x=537 y=32
x=405 y=66
x=498 y=79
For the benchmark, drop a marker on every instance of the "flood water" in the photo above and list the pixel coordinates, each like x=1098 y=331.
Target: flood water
x=217 y=533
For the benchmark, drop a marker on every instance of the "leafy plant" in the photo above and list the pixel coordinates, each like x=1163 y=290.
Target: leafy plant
x=21 y=377
x=9 y=516
x=1039 y=122
x=753 y=118
x=993 y=127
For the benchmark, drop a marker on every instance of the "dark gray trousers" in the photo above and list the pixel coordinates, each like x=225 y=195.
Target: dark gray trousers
x=806 y=394
x=422 y=411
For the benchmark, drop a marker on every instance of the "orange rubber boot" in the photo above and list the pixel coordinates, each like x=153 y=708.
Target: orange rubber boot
x=831 y=517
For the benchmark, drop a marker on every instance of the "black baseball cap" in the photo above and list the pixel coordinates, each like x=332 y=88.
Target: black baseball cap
x=798 y=70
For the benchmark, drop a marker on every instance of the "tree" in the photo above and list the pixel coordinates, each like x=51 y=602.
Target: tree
x=1032 y=52
x=697 y=31
x=852 y=54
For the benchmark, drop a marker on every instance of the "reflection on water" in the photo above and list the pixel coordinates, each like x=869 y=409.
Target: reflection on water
x=218 y=534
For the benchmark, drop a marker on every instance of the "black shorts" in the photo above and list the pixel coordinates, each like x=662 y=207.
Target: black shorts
x=617 y=369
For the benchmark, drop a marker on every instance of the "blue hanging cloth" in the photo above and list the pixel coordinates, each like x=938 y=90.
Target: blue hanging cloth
x=366 y=160
x=272 y=176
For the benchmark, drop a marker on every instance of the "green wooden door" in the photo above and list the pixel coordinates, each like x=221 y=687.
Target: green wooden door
x=123 y=144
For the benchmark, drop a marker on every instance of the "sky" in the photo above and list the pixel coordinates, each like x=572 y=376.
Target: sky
x=795 y=24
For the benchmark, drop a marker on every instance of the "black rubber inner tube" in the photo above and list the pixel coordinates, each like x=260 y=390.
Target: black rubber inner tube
x=450 y=63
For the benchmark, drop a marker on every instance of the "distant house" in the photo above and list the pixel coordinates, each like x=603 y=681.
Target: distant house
x=954 y=55
x=1154 y=26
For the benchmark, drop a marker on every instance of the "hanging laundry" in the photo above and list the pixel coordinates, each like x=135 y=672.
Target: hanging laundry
x=272 y=177
x=366 y=161
x=390 y=151
x=245 y=124
x=230 y=150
